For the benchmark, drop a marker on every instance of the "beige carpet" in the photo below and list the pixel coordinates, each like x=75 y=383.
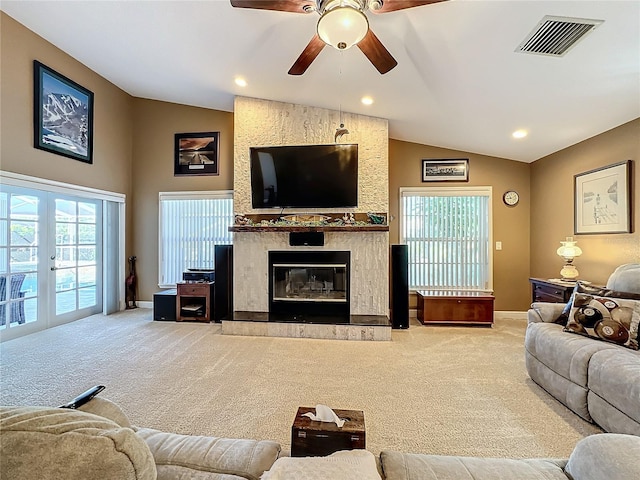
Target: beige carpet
x=444 y=390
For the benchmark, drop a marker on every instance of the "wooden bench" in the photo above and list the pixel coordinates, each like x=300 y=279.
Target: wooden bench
x=455 y=307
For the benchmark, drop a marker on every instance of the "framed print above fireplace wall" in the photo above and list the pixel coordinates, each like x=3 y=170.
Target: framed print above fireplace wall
x=445 y=170
x=63 y=115
x=603 y=200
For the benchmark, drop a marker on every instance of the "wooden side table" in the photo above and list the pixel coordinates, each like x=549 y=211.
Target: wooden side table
x=455 y=307
x=193 y=301
x=310 y=438
x=552 y=291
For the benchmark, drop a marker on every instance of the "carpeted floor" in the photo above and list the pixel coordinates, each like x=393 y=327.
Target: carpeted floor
x=443 y=390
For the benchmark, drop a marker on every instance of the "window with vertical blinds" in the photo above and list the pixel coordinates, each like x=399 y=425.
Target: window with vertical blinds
x=190 y=225
x=448 y=235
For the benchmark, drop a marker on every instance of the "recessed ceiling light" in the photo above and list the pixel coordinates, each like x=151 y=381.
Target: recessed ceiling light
x=367 y=100
x=241 y=82
x=519 y=134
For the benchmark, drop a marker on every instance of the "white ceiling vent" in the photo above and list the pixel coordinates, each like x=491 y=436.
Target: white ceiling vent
x=554 y=36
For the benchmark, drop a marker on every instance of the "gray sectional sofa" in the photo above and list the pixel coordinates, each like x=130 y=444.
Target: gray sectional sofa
x=599 y=381
x=605 y=456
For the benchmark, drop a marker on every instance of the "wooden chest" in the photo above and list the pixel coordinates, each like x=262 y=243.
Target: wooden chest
x=455 y=307
x=310 y=438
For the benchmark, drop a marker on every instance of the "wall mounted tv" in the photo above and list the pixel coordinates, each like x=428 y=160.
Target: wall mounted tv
x=307 y=176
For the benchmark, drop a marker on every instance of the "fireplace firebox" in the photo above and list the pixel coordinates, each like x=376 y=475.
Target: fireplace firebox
x=309 y=283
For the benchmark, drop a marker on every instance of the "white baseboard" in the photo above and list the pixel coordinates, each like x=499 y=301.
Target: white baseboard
x=510 y=315
x=145 y=304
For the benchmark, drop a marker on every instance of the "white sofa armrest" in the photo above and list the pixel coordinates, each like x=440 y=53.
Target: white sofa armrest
x=544 y=312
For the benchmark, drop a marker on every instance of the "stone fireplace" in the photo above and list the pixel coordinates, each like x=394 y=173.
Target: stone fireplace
x=266 y=123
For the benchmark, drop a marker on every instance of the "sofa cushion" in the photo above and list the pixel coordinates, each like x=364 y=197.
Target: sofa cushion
x=605 y=455
x=342 y=465
x=176 y=454
x=613 y=320
x=408 y=466
x=614 y=375
x=53 y=443
x=567 y=355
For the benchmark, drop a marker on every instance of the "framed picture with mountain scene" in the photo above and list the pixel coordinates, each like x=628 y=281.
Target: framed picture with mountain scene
x=196 y=153
x=603 y=200
x=63 y=115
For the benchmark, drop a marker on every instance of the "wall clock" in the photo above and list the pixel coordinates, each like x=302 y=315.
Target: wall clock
x=511 y=198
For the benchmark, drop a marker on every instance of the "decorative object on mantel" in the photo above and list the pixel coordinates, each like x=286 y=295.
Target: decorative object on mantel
x=348 y=219
x=240 y=219
x=377 y=219
x=569 y=250
x=262 y=222
x=298 y=218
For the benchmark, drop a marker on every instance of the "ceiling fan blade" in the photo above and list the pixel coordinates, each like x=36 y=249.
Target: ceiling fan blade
x=377 y=53
x=295 y=6
x=393 y=5
x=307 y=56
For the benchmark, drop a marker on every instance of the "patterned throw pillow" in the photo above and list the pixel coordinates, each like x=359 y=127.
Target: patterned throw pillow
x=610 y=319
x=591 y=290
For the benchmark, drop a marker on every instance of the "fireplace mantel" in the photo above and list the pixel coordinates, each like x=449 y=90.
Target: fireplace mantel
x=305 y=228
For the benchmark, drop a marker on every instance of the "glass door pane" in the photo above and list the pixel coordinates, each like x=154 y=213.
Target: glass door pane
x=19 y=250
x=77 y=258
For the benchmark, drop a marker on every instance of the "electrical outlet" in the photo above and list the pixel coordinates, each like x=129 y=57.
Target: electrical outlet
x=498 y=245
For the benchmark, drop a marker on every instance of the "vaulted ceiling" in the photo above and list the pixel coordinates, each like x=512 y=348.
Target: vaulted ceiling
x=459 y=82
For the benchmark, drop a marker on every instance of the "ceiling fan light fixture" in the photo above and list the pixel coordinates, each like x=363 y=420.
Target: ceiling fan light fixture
x=343 y=27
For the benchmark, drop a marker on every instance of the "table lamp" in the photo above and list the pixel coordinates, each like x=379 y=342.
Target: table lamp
x=569 y=250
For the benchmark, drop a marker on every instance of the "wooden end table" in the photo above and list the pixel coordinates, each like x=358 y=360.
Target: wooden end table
x=310 y=438
x=455 y=307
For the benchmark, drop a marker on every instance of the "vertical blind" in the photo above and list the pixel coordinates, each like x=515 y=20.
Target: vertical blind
x=448 y=236
x=191 y=224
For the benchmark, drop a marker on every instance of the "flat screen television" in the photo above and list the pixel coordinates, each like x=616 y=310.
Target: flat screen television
x=307 y=176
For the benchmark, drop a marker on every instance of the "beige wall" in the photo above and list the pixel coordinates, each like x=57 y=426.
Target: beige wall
x=111 y=168
x=510 y=224
x=112 y=147
x=154 y=127
x=552 y=206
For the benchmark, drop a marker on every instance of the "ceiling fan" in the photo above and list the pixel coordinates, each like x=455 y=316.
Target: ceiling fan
x=342 y=24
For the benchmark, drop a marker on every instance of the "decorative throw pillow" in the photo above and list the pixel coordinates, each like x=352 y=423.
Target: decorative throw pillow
x=591 y=290
x=611 y=319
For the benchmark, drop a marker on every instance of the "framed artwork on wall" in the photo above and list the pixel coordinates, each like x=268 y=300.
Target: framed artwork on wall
x=450 y=170
x=602 y=200
x=196 y=153
x=63 y=115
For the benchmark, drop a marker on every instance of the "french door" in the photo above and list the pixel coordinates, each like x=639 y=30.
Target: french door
x=50 y=259
x=75 y=257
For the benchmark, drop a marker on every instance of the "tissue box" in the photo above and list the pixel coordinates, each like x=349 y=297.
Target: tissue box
x=310 y=438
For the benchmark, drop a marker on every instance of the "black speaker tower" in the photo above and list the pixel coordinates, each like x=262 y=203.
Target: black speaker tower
x=223 y=286
x=399 y=286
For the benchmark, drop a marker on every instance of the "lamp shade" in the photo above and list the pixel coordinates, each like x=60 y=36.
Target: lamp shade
x=569 y=250
x=342 y=27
